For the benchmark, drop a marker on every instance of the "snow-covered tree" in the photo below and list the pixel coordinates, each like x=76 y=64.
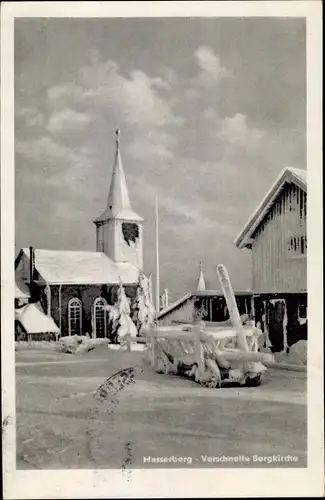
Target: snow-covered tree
x=119 y=316
x=144 y=311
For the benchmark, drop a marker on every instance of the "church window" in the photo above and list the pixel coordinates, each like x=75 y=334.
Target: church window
x=100 y=317
x=130 y=232
x=75 y=317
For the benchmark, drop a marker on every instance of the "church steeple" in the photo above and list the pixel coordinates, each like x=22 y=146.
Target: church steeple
x=118 y=203
x=119 y=228
x=201 y=281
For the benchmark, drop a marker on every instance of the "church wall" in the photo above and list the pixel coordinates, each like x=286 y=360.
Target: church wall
x=86 y=294
x=113 y=243
x=108 y=238
x=130 y=251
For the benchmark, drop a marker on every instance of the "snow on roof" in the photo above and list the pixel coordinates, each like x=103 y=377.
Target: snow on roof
x=219 y=293
x=126 y=214
x=128 y=272
x=199 y=293
x=288 y=174
x=174 y=305
x=34 y=320
x=21 y=291
x=301 y=175
x=75 y=267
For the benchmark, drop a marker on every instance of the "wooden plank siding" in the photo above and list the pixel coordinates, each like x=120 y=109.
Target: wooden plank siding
x=279 y=247
x=181 y=314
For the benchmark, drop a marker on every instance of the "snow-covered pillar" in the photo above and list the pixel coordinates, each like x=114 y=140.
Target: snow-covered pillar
x=268 y=342
x=48 y=298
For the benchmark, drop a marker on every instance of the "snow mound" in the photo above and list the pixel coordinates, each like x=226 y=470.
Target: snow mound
x=298 y=353
x=78 y=344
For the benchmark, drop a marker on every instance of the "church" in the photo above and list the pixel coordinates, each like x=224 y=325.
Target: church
x=70 y=288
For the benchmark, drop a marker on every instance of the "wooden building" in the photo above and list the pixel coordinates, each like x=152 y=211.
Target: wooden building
x=72 y=286
x=277 y=237
x=211 y=302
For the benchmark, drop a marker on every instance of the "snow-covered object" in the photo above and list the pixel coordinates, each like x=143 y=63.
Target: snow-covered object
x=144 y=303
x=151 y=307
x=119 y=315
x=78 y=344
x=126 y=326
x=285 y=321
x=71 y=343
x=298 y=352
x=34 y=320
x=140 y=306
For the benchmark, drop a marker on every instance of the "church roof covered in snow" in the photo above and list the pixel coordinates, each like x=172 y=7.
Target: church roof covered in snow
x=296 y=176
x=21 y=291
x=75 y=267
x=34 y=320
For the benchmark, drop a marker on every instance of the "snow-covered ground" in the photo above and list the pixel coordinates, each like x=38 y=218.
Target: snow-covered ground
x=61 y=425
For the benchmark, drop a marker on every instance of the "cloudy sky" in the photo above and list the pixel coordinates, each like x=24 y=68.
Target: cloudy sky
x=210 y=111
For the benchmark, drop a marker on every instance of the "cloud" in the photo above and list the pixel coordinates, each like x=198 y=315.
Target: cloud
x=138 y=98
x=138 y=102
x=68 y=120
x=31 y=116
x=151 y=143
x=64 y=91
x=211 y=73
x=212 y=70
x=188 y=215
x=53 y=162
x=236 y=132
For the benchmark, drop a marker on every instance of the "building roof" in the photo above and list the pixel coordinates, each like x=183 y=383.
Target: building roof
x=219 y=293
x=288 y=175
x=174 y=305
x=118 y=203
x=34 y=320
x=21 y=291
x=198 y=293
x=75 y=267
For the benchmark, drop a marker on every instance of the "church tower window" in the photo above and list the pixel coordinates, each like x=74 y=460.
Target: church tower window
x=130 y=232
x=75 y=317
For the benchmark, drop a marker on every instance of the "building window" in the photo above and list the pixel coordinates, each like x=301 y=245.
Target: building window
x=130 y=232
x=297 y=245
x=99 y=317
x=75 y=317
x=302 y=314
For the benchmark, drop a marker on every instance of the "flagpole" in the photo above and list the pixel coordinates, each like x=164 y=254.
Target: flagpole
x=157 y=261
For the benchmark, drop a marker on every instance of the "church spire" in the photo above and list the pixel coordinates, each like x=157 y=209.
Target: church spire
x=118 y=198
x=201 y=281
x=118 y=203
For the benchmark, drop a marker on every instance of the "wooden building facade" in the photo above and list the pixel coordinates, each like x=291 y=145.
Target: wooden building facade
x=276 y=234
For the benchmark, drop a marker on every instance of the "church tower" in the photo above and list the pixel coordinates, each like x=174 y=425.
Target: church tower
x=119 y=229
x=200 y=287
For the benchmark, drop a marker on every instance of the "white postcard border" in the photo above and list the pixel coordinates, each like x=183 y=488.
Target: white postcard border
x=181 y=482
